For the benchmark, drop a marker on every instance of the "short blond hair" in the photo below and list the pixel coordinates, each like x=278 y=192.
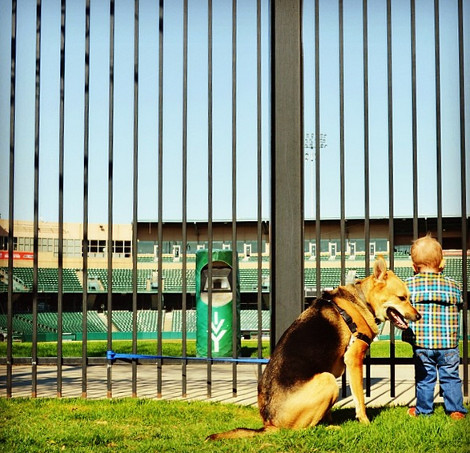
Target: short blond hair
x=427 y=252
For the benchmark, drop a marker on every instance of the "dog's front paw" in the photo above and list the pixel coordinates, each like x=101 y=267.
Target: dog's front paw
x=363 y=419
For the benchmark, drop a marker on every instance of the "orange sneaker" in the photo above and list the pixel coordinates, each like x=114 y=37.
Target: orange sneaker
x=457 y=415
x=412 y=412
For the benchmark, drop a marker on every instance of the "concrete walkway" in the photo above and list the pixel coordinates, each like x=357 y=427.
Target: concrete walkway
x=247 y=378
x=196 y=383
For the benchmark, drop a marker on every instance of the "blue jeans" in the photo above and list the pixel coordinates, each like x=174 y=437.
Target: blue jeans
x=430 y=362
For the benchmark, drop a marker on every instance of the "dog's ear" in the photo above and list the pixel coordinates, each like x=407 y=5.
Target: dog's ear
x=380 y=269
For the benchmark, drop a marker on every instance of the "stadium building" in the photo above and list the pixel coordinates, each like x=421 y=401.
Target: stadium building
x=336 y=265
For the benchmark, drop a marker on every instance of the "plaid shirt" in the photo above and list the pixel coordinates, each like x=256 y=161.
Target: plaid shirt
x=437 y=298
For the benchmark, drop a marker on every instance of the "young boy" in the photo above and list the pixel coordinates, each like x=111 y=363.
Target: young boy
x=435 y=336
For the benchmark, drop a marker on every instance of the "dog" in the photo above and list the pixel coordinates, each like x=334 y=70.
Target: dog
x=298 y=386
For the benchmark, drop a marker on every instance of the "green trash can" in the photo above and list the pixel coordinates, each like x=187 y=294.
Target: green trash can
x=222 y=323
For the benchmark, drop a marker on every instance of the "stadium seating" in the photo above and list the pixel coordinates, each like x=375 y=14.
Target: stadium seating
x=122 y=320
x=147 y=321
x=122 y=279
x=177 y=321
x=248 y=320
x=249 y=279
x=453 y=268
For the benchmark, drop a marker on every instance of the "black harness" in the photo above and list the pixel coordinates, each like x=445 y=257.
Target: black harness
x=350 y=323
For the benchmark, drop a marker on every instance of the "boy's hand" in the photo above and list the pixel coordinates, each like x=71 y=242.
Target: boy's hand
x=408 y=336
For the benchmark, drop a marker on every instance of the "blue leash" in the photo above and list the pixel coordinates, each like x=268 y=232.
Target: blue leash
x=111 y=355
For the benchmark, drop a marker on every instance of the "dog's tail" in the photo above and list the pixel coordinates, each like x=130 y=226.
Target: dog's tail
x=240 y=433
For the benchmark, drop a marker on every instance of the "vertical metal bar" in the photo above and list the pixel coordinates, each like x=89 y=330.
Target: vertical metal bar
x=135 y=195
x=366 y=136
x=235 y=320
x=209 y=191
x=11 y=191
x=85 y=200
x=414 y=119
x=463 y=185
x=160 y=197
x=366 y=160
x=36 y=176
x=391 y=234
x=185 y=194
x=259 y=185
x=286 y=165
x=34 y=350
x=341 y=159
x=110 y=198
x=317 y=149
x=341 y=142
x=61 y=201
x=438 y=119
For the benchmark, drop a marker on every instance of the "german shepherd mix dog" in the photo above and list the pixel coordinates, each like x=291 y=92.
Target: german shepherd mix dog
x=298 y=386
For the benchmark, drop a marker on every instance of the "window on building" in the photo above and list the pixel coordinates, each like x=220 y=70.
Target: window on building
x=247 y=250
x=96 y=247
x=352 y=250
x=4 y=243
x=312 y=248
x=122 y=248
x=332 y=250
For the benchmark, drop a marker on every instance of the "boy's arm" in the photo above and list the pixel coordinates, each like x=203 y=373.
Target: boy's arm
x=408 y=336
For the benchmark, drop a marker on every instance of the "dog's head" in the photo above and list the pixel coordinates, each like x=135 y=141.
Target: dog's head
x=389 y=297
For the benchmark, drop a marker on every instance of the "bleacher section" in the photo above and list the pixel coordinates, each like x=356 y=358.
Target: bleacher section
x=248 y=321
x=173 y=280
x=453 y=269
x=72 y=322
x=122 y=279
x=122 y=320
x=249 y=279
x=177 y=321
x=47 y=323
x=23 y=324
x=48 y=279
x=147 y=322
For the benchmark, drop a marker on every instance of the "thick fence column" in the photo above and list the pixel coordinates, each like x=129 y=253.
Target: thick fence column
x=287 y=165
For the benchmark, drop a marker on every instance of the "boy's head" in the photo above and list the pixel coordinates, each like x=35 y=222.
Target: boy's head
x=426 y=253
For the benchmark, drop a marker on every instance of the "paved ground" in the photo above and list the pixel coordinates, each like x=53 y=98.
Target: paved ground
x=196 y=383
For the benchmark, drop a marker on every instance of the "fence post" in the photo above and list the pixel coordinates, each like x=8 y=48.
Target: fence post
x=286 y=165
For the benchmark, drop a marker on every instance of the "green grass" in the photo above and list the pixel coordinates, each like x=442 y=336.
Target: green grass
x=169 y=347
x=173 y=348
x=78 y=425
x=98 y=348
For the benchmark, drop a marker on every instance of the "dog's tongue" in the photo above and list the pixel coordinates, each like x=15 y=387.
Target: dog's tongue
x=397 y=319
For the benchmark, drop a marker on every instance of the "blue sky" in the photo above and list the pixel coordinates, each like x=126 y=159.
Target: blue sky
x=222 y=109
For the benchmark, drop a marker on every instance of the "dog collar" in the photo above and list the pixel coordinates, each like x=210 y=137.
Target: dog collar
x=350 y=323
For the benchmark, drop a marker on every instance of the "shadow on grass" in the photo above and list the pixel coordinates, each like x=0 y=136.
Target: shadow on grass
x=344 y=415
x=246 y=351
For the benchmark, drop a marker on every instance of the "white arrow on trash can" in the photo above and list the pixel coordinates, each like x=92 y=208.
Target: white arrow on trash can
x=217 y=332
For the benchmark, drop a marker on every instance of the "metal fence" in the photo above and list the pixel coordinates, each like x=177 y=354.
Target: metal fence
x=282 y=24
